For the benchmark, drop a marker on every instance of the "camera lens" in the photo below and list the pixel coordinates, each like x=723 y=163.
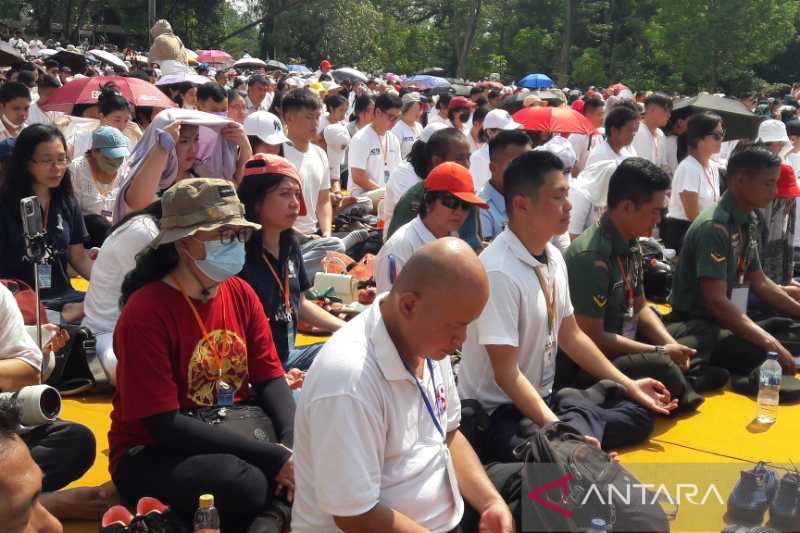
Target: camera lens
x=50 y=403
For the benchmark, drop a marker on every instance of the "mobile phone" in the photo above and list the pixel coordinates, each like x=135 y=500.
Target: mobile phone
x=31 y=211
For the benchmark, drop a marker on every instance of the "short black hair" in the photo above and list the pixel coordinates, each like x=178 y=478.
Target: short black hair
x=619 y=115
x=51 y=63
x=636 y=179
x=9 y=421
x=300 y=99
x=525 y=174
x=257 y=78
x=700 y=125
x=659 y=99
x=26 y=78
x=211 y=90
x=480 y=113
x=13 y=89
x=475 y=90
x=332 y=101
x=46 y=81
x=752 y=160
x=388 y=101
x=793 y=127
x=444 y=100
x=592 y=102
x=506 y=138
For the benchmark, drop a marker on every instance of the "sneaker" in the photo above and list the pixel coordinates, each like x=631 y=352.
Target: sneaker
x=746 y=529
x=783 y=512
x=152 y=516
x=752 y=494
x=115 y=520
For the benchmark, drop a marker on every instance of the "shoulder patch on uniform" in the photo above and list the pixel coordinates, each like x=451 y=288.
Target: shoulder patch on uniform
x=600 y=263
x=600 y=301
x=721 y=227
x=718 y=258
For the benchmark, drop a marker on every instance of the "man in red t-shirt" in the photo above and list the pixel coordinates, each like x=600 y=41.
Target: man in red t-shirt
x=187 y=324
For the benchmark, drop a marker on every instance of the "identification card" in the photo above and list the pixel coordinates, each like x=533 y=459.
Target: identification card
x=385 y=177
x=549 y=366
x=106 y=214
x=45 y=274
x=290 y=333
x=739 y=295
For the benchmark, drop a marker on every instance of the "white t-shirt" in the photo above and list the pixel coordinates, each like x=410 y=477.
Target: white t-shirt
x=603 y=152
x=670 y=154
x=583 y=145
x=692 y=177
x=396 y=252
x=583 y=215
x=794 y=160
x=117 y=257
x=94 y=198
x=479 y=167
x=407 y=136
x=515 y=315
x=323 y=123
x=312 y=165
x=377 y=155
x=38 y=115
x=363 y=435
x=473 y=146
x=15 y=343
x=402 y=179
x=649 y=146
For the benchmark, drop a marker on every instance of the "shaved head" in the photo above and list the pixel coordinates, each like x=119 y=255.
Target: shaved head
x=441 y=289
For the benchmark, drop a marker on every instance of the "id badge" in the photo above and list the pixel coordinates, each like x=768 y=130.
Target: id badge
x=45 y=274
x=106 y=214
x=739 y=295
x=385 y=177
x=549 y=366
x=290 y=332
x=630 y=326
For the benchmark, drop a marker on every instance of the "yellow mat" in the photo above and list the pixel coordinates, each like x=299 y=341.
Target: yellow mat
x=721 y=432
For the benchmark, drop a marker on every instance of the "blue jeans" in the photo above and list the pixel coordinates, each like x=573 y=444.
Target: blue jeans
x=302 y=357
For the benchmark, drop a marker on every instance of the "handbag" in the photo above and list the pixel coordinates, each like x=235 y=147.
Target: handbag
x=249 y=421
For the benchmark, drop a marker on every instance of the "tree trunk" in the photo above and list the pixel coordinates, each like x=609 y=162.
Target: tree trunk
x=566 y=44
x=66 y=30
x=267 y=38
x=79 y=21
x=463 y=45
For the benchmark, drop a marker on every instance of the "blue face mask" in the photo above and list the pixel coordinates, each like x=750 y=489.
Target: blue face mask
x=222 y=260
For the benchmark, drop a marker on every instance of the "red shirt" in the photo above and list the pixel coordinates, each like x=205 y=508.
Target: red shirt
x=164 y=362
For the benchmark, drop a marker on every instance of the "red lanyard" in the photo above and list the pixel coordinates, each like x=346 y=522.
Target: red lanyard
x=626 y=281
x=283 y=288
x=211 y=345
x=550 y=302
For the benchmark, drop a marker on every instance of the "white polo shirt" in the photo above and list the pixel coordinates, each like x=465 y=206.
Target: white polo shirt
x=364 y=436
x=479 y=167
x=649 y=146
x=515 y=315
x=377 y=155
x=604 y=152
x=403 y=178
x=692 y=177
x=315 y=174
x=401 y=246
x=407 y=136
x=583 y=145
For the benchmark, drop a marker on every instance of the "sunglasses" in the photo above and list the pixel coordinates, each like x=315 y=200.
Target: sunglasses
x=718 y=135
x=451 y=202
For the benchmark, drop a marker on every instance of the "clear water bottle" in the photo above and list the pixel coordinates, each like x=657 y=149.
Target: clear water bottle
x=598 y=525
x=206 y=518
x=769 y=386
x=224 y=392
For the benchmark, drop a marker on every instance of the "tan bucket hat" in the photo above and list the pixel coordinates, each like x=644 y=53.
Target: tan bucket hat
x=199 y=204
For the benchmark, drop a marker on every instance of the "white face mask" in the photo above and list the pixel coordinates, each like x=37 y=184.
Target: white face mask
x=12 y=124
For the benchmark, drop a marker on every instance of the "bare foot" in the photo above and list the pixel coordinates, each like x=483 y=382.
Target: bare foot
x=80 y=503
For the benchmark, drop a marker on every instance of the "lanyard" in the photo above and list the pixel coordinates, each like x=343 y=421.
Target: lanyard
x=743 y=256
x=211 y=345
x=549 y=298
x=385 y=148
x=710 y=179
x=287 y=306
x=425 y=396
x=628 y=287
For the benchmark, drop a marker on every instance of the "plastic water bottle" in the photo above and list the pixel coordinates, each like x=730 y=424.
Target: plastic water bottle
x=206 y=518
x=598 y=525
x=224 y=392
x=769 y=386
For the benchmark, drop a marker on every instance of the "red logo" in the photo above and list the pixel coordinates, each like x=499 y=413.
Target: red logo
x=563 y=482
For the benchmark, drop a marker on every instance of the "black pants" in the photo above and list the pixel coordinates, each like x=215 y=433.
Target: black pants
x=240 y=490
x=63 y=450
x=507 y=479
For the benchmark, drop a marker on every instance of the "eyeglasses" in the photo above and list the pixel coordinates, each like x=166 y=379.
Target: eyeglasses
x=718 y=135
x=452 y=202
x=392 y=117
x=61 y=162
x=229 y=235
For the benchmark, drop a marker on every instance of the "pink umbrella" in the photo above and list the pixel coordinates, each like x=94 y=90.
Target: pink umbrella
x=215 y=56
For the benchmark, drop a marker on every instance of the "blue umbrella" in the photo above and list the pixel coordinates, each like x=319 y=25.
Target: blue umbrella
x=536 y=81
x=424 y=81
x=300 y=69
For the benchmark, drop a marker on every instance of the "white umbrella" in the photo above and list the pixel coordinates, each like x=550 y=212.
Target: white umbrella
x=247 y=60
x=348 y=73
x=180 y=77
x=47 y=52
x=109 y=58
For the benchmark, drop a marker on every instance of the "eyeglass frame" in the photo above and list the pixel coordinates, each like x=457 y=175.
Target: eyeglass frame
x=227 y=236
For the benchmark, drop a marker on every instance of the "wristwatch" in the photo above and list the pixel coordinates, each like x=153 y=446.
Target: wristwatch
x=660 y=349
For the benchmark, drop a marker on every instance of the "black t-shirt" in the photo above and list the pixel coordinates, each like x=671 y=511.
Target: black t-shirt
x=65 y=227
x=258 y=275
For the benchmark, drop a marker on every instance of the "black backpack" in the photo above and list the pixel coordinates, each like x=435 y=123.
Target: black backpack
x=77 y=367
x=560 y=469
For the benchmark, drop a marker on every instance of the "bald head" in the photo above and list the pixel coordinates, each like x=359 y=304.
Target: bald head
x=445 y=265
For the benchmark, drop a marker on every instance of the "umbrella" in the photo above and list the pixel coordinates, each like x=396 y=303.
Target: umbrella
x=47 y=52
x=348 y=74
x=180 y=77
x=424 y=81
x=536 y=81
x=618 y=87
x=300 y=69
x=86 y=90
x=487 y=84
x=216 y=57
x=109 y=58
x=75 y=61
x=274 y=64
x=433 y=71
x=250 y=62
x=739 y=122
x=9 y=55
x=461 y=89
x=554 y=120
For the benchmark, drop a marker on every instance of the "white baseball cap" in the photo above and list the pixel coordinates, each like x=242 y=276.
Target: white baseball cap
x=500 y=119
x=411 y=98
x=772 y=131
x=430 y=129
x=562 y=148
x=266 y=127
x=337 y=138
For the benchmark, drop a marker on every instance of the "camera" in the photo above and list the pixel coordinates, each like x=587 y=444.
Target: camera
x=33 y=229
x=36 y=404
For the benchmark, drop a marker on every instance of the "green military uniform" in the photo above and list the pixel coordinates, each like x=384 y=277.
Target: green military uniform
x=722 y=244
x=605 y=280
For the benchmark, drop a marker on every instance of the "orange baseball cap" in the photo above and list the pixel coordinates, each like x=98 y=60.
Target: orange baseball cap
x=455 y=179
x=787 y=183
x=261 y=164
